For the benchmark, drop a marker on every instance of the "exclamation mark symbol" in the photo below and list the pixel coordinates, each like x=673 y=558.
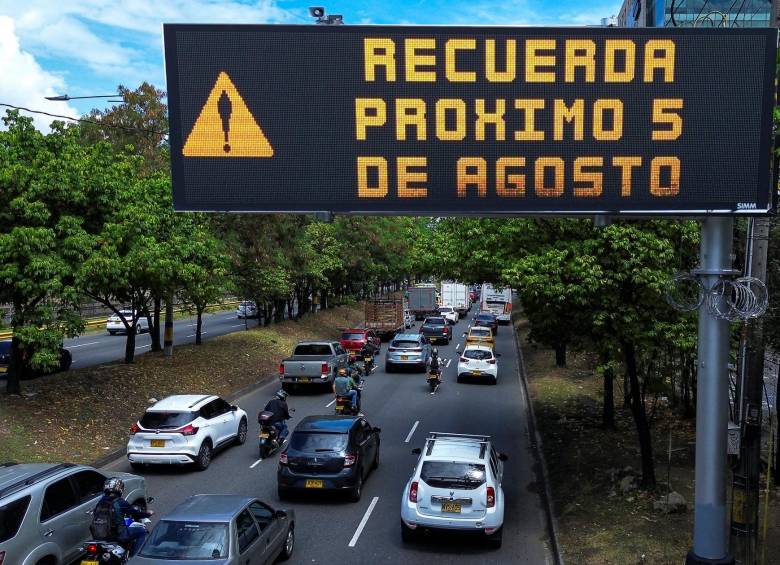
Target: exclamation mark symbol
x=225 y=108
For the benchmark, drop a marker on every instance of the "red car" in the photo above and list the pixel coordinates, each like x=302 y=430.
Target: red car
x=354 y=340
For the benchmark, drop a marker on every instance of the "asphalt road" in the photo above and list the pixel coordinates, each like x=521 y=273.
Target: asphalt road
x=96 y=348
x=402 y=406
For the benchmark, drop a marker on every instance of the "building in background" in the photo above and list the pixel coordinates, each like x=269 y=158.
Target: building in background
x=684 y=13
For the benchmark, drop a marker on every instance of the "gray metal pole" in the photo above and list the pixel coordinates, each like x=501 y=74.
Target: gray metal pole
x=710 y=528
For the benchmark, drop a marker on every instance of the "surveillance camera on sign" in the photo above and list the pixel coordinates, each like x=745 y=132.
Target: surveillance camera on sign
x=316 y=11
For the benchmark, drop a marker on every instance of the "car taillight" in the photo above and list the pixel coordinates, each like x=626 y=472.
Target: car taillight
x=349 y=460
x=188 y=430
x=281 y=369
x=325 y=369
x=91 y=548
x=446 y=330
x=282 y=459
x=413 y=492
x=491 y=497
x=492 y=361
x=134 y=429
x=464 y=360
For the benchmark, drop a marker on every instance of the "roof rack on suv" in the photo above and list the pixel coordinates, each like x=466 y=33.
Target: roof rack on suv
x=19 y=485
x=481 y=439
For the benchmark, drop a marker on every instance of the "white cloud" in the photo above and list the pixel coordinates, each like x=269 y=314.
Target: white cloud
x=25 y=83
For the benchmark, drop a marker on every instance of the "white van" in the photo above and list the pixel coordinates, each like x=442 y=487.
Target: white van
x=498 y=301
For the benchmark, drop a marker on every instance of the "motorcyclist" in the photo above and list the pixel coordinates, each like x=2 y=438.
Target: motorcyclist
x=435 y=366
x=112 y=508
x=367 y=353
x=278 y=407
x=344 y=385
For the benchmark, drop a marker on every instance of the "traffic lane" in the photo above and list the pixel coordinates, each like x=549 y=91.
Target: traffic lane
x=94 y=349
x=327 y=525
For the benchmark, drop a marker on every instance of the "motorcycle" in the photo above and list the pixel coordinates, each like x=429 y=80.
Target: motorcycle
x=434 y=380
x=269 y=439
x=368 y=363
x=344 y=405
x=111 y=552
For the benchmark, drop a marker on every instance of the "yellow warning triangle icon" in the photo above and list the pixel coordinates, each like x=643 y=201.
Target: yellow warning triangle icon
x=226 y=127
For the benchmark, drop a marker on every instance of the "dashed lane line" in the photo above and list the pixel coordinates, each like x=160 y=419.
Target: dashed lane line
x=201 y=333
x=255 y=464
x=363 y=522
x=329 y=404
x=411 y=432
x=448 y=362
x=82 y=344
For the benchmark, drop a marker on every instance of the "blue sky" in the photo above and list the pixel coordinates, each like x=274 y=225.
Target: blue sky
x=87 y=47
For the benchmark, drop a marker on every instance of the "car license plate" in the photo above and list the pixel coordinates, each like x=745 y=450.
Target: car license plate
x=157 y=443
x=404 y=357
x=311 y=483
x=303 y=380
x=477 y=372
x=453 y=507
x=263 y=434
x=89 y=562
x=3 y=369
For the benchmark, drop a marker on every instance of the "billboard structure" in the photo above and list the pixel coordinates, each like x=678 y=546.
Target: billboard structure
x=471 y=120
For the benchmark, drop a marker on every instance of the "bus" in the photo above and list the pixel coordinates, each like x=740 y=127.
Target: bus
x=498 y=301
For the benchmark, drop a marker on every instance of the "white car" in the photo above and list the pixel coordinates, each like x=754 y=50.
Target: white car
x=478 y=362
x=115 y=325
x=450 y=314
x=456 y=485
x=185 y=428
x=246 y=309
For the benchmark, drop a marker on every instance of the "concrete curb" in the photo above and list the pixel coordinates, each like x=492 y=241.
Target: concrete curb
x=536 y=444
x=122 y=451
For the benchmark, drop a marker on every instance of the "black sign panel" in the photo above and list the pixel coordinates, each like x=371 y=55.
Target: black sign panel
x=470 y=120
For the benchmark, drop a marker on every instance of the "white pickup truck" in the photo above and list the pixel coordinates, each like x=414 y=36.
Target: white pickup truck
x=312 y=363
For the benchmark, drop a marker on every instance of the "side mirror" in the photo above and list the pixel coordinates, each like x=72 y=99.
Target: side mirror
x=280 y=514
x=502 y=457
x=149 y=499
x=234 y=408
x=377 y=430
x=416 y=451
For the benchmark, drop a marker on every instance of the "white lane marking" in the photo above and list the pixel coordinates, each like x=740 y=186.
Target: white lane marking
x=448 y=362
x=363 y=522
x=253 y=465
x=82 y=344
x=142 y=346
x=457 y=347
x=329 y=404
x=201 y=333
x=412 y=431
x=238 y=326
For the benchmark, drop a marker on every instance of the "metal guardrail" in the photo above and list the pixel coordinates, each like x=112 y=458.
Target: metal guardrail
x=101 y=320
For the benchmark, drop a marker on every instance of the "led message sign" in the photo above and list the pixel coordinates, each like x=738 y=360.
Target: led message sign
x=470 y=120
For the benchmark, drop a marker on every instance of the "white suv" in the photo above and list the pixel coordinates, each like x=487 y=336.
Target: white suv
x=456 y=485
x=115 y=325
x=186 y=428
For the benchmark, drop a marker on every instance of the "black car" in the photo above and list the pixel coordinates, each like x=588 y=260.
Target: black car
x=488 y=320
x=328 y=453
x=5 y=360
x=435 y=328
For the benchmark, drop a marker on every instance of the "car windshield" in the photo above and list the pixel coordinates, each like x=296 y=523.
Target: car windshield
x=5 y=347
x=187 y=540
x=452 y=474
x=353 y=336
x=480 y=332
x=318 y=441
x=435 y=322
x=486 y=317
x=404 y=344
x=312 y=349
x=478 y=354
x=166 y=420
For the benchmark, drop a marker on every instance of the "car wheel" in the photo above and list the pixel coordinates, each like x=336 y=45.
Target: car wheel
x=203 y=460
x=375 y=464
x=137 y=466
x=357 y=492
x=112 y=332
x=494 y=381
x=408 y=535
x=494 y=540
x=282 y=493
x=289 y=544
x=241 y=435
x=287 y=387
x=388 y=367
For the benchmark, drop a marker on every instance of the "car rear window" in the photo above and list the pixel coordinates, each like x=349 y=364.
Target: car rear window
x=312 y=349
x=166 y=420
x=446 y=309
x=449 y=474
x=5 y=347
x=486 y=317
x=480 y=332
x=11 y=516
x=187 y=541
x=478 y=354
x=435 y=321
x=318 y=441
x=404 y=344
x=353 y=337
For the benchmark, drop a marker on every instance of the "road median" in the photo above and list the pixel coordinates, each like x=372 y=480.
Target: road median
x=84 y=414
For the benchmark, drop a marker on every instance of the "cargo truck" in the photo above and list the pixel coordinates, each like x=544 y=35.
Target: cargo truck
x=422 y=302
x=456 y=295
x=498 y=301
x=385 y=317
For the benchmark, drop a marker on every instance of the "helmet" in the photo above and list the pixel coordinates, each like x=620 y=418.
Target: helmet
x=435 y=351
x=343 y=371
x=114 y=485
x=281 y=394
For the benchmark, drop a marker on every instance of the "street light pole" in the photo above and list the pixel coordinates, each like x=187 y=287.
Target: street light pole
x=65 y=97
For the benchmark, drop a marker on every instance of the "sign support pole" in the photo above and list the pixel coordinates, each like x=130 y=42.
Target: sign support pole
x=710 y=529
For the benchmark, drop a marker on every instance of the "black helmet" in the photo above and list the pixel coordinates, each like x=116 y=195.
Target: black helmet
x=281 y=394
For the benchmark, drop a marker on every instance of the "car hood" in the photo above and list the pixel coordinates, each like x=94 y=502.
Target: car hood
x=161 y=561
